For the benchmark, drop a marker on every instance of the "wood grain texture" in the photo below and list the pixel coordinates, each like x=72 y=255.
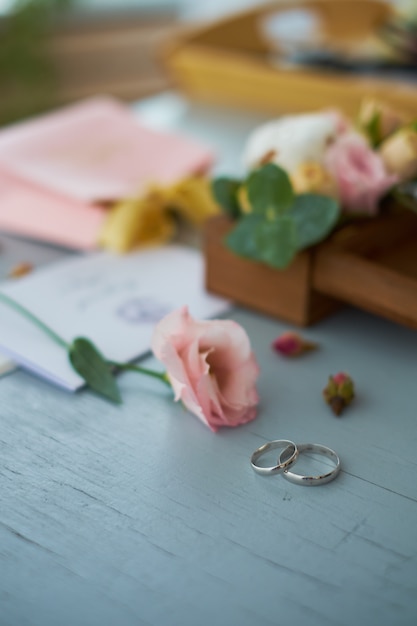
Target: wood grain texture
x=373 y=266
x=140 y=515
x=286 y=294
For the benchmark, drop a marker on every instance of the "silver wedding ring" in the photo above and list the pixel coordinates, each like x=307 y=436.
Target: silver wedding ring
x=289 y=456
x=289 y=448
x=320 y=479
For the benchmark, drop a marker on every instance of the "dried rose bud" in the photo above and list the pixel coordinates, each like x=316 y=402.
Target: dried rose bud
x=291 y=344
x=21 y=269
x=339 y=392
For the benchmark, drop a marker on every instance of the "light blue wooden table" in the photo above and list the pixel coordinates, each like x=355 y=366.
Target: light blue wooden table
x=139 y=515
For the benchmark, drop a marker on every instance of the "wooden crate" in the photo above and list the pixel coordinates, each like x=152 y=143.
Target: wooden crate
x=287 y=295
x=371 y=264
x=230 y=62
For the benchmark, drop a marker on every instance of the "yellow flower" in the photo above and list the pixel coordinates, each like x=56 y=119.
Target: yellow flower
x=399 y=153
x=149 y=219
x=137 y=221
x=192 y=199
x=312 y=177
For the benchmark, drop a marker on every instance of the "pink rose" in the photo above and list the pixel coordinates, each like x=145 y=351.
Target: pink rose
x=210 y=366
x=359 y=172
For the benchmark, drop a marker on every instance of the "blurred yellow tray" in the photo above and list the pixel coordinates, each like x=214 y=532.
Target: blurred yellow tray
x=235 y=62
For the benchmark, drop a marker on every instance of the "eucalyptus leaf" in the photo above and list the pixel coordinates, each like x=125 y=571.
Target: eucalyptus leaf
x=269 y=190
x=276 y=241
x=93 y=368
x=314 y=217
x=242 y=239
x=225 y=193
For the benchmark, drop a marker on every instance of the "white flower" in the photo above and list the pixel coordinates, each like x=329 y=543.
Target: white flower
x=292 y=140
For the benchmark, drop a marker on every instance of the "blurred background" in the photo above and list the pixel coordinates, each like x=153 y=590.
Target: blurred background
x=58 y=51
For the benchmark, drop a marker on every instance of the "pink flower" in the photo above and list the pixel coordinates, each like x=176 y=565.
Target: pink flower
x=359 y=172
x=210 y=366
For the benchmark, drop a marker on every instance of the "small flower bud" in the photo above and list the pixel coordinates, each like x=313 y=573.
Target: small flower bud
x=339 y=392
x=399 y=153
x=291 y=344
x=378 y=120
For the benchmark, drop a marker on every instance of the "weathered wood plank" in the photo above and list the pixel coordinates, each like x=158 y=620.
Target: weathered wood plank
x=139 y=515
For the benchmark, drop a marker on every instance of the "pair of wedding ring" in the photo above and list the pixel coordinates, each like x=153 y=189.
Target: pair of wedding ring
x=289 y=455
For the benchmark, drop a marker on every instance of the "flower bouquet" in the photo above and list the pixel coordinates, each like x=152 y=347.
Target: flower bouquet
x=312 y=178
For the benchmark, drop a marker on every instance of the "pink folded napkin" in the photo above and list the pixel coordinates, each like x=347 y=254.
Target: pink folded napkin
x=31 y=211
x=52 y=168
x=97 y=150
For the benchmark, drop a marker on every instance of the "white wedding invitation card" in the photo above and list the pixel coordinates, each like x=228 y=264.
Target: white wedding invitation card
x=115 y=301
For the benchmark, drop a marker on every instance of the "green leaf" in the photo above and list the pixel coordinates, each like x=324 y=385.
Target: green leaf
x=225 y=193
x=93 y=368
x=269 y=190
x=273 y=242
x=276 y=241
x=314 y=217
x=242 y=239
